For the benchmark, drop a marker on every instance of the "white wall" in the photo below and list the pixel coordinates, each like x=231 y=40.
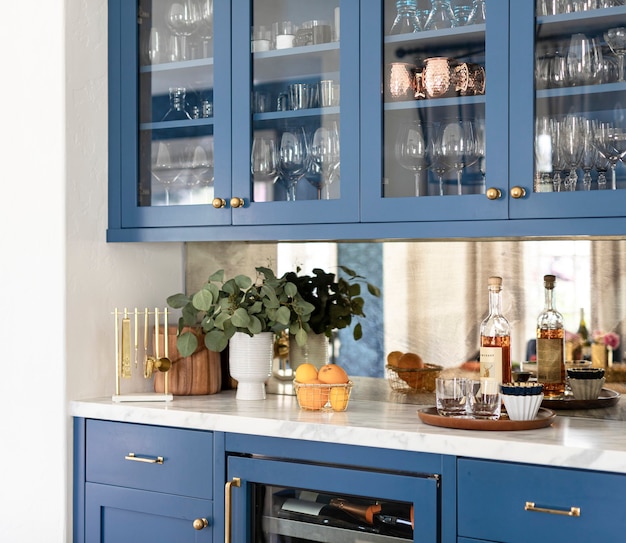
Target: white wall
x=59 y=280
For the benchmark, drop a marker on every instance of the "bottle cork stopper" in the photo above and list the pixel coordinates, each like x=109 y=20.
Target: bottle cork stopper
x=549 y=280
x=495 y=281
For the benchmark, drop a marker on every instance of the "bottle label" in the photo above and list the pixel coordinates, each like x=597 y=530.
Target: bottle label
x=491 y=363
x=549 y=360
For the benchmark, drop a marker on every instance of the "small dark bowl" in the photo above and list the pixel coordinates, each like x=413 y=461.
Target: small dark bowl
x=521 y=376
x=585 y=373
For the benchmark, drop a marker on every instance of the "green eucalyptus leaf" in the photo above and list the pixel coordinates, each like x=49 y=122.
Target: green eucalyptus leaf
x=218 y=277
x=266 y=272
x=349 y=271
x=220 y=320
x=358 y=331
x=187 y=343
x=373 y=290
x=255 y=326
x=354 y=289
x=203 y=300
x=282 y=315
x=291 y=290
x=271 y=300
x=213 y=289
x=230 y=287
x=243 y=282
x=216 y=341
x=240 y=318
x=189 y=315
x=178 y=301
x=256 y=307
x=301 y=337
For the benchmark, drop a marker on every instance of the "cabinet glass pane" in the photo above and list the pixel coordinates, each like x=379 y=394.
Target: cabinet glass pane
x=580 y=124
x=300 y=515
x=175 y=102
x=434 y=98
x=295 y=100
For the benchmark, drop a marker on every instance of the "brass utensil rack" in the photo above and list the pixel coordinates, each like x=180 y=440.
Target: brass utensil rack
x=130 y=326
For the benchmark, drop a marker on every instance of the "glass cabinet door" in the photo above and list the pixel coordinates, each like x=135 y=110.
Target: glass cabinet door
x=180 y=114
x=442 y=67
x=574 y=86
x=295 y=112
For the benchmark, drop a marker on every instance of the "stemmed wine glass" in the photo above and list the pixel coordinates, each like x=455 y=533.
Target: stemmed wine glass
x=481 y=150
x=411 y=149
x=457 y=144
x=583 y=60
x=164 y=170
x=616 y=40
x=571 y=145
x=183 y=19
x=558 y=162
x=611 y=143
x=205 y=26
x=324 y=154
x=293 y=159
x=203 y=164
x=436 y=161
x=590 y=152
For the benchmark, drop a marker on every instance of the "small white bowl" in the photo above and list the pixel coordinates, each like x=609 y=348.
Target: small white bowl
x=522 y=407
x=586 y=389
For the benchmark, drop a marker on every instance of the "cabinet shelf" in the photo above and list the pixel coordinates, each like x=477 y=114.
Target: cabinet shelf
x=590 y=22
x=307 y=60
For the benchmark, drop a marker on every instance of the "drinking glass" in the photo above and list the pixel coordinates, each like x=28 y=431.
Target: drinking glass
x=411 y=149
x=588 y=158
x=462 y=10
x=458 y=147
x=543 y=153
x=183 y=19
x=583 y=61
x=611 y=143
x=484 y=399
x=325 y=155
x=602 y=165
x=616 y=40
x=293 y=158
x=164 y=168
x=440 y=16
x=451 y=396
x=571 y=144
x=205 y=26
x=263 y=162
x=436 y=161
x=478 y=15
x=558 y=162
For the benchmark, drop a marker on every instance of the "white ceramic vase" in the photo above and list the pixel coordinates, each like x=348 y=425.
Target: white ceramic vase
x=250 y=360
x=315 y=351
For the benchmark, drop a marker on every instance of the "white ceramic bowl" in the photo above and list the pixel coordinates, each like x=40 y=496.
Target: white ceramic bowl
x=586 y=389
x=522 y=407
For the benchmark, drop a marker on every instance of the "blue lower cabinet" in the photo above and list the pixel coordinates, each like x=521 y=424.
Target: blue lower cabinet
x=123 y=515
x=518 y=503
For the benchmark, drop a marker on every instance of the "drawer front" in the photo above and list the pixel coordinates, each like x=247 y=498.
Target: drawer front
x=492 y=497
x=155 y=458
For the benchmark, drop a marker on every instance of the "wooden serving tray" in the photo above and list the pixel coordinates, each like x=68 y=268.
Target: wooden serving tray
x=607 y=398
x=544 y=418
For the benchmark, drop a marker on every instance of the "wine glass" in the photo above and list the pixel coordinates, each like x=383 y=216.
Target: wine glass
x=602 y=165
x=293 y=158
x=164 y=169
x=183 y=19
x=558 y=162
x=324 y=154
x=205 y=26
x=571 y=144
x=611 y=143
x=589 y=154
x=616 y=40
x=583 y=60
x=481 y=150
x=458 y=147
x=436 y=163
x=203 y=164
x=411 y=149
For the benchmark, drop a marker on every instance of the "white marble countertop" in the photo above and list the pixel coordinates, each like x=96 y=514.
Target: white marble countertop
x=570 y=442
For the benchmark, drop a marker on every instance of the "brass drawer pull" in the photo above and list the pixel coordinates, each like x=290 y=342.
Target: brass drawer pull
x=573 y=511
x=200 y=524
x=131 y=456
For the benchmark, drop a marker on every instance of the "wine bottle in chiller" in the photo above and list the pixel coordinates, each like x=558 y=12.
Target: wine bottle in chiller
x=391 y=518
x=550 y=344
x=495 y=337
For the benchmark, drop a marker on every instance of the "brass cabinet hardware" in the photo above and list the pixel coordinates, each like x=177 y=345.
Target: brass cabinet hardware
x=236 y=202
x=219 y=202
x=572 y=512
x=200 y=524
x=518 y=192
x=236 y=481
x=134 y=458
x=493 y=194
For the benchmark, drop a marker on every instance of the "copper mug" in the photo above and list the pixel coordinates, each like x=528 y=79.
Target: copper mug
x=401 y=81
x=436 y=78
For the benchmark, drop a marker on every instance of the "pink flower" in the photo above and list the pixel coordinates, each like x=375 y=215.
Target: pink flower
x=611 y=339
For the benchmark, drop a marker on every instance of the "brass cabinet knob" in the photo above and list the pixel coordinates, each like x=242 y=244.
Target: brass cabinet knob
x=518 y=192
x=219 y=202
x=236 y=202
x=493 y=194
x=200 y=524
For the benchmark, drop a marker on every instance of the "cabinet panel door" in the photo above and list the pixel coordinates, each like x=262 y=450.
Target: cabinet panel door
x=556 y=118
x=121 y=515
x=425 y=144
x=422 y=492
x=167 y=158
x=300 y=87
x=493 y=498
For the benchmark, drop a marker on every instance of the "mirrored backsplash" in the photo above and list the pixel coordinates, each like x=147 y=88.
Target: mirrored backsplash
x=434 y=293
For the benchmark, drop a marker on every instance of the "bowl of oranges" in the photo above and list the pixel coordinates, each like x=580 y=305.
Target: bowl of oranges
x=325 y=389
x=407 y=372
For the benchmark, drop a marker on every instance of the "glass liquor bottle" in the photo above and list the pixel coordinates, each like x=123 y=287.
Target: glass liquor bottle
x=550 y=344
x=406 y=20
x=495 y=337
x=584 y=336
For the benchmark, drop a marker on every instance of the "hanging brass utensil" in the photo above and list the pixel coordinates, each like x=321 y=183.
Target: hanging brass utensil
x=148 y=363
x=126 y=367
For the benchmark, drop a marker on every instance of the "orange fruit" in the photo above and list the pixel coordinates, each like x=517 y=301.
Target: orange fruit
x=305 y=373
x=332 y=374
x=393 y=356
x=410 y=361
x=339 y=398
x=313 y=397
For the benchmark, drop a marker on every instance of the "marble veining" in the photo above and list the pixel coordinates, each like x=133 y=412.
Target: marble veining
x=575 y=442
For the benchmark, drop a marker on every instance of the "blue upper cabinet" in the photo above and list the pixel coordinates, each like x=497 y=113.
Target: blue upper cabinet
x=442 y=110
x=347 y=119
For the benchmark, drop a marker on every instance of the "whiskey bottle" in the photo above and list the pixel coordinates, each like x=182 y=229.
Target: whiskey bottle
x=495 y=337
x=550 y=344
x=390 y=518
x=584 y=336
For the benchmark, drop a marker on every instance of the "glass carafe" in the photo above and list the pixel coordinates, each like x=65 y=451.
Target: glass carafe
x=440 y=16
x=406 y=20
